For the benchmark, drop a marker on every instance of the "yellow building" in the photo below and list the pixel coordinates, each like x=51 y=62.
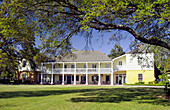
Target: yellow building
x=132 y=68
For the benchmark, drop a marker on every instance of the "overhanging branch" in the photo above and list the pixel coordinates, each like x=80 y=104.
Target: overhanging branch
x=153 y=41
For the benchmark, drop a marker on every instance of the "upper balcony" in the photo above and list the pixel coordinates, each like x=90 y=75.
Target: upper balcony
x=120 y=68
x=77 y=70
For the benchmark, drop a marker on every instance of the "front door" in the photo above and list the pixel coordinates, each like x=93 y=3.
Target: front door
x=83 y=79
x=120 y=78
x=39 y=78
x=107 y=79
x=117 y=79
x=68 y=79
x=44 y=78
x=60 y=79
x=53 y=78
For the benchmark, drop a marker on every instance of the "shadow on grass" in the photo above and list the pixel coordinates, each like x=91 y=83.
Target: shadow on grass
x=110 y=95
x=117 y=95
x=41 y=93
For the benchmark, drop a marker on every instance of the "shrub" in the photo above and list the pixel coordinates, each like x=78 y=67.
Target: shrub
x=167 y=89
x=5 y=81
x=140 y=82
x=27 y=82
x=152 y=82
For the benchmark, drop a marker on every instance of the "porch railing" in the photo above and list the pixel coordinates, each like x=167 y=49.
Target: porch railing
x=77 y=70
x=120 y=68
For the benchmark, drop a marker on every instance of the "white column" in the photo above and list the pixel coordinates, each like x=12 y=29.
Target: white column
x=63 y=75
x=99 y=83
x=86 y=74
x=52 y=74
x=74 y=73
x=111 y=73
x=41 y=73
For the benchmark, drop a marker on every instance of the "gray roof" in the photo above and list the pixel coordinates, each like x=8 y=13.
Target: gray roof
x=138 y=50
x=83 y=56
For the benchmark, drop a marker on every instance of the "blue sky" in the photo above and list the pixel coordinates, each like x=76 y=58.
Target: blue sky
x=102 y=44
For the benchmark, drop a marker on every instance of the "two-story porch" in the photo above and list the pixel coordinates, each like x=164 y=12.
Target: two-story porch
x=77 y=73
x=81 y=67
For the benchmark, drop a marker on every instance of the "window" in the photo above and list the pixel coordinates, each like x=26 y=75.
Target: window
x=106 y=65
x=65 y=66
x=72 y=65
x=84 y=66
x=140 y=77
x=24 y=63
x=139 y=60
x=53 y=66
x=94 y=66
x=77 y=78
x=95 y=78
x=72 y=77
x=107 y=78
x=120 y=63
x=64 y=77
x=24 y=77
x=92 y=78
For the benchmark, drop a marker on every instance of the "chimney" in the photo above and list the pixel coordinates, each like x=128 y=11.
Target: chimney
x=138 y=46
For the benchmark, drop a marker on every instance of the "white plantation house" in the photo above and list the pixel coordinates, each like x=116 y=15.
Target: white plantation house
x=94 y=67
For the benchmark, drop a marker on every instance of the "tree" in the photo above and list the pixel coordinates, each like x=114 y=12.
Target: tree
x=56 y=21
x=161 y=58
x=17 y=41
x=148 y=21
x=116 y=51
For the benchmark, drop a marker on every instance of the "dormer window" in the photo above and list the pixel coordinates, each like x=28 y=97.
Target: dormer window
x=24 y=63
x=120 y=63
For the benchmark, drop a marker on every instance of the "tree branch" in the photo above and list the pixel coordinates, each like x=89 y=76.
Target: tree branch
x=153 y=41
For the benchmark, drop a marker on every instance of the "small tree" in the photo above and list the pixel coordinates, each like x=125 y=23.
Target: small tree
x=116 y=51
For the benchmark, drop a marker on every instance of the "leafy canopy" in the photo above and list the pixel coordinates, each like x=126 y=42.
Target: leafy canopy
x=56 y=21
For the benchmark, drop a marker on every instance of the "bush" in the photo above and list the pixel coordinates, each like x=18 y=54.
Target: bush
x=27 y=82
x=139 y=83
x=167 y=89
x=5 y=81
x=152 y=82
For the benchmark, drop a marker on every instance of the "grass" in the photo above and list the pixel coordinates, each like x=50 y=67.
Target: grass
x=56 y=97
x=147 y=84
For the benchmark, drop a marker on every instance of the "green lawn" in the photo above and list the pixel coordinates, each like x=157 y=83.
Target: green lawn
x=55 y=97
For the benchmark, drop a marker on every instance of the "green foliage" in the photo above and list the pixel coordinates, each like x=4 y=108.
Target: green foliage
x=167 y=89
x=54 y=22
x=140 y=82
x=17 y=38
x=116 y=51
x=152 y=82
x=163 y=78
